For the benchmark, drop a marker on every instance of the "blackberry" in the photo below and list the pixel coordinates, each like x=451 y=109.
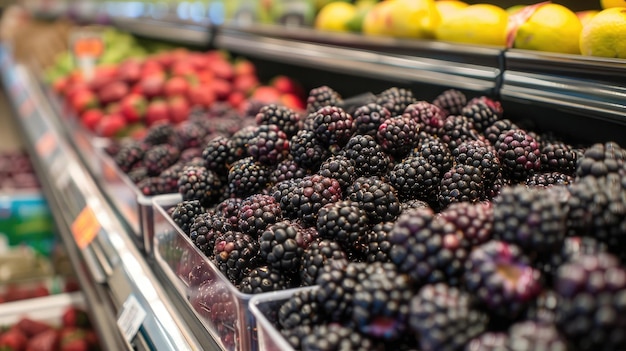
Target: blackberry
x=301 y=310
x=413 y=204
x=151 y=186
x=481 y=155
x=129 y=154
x=558 y=157
x=368 y=118
x=367 y=155
x=264 y=279
x=475 y=221
x=159 y=157
x=229 y=210
x=205 y=229
x=159 y=133
x=138 y=174
x=282 y=193
x=321 y=97
x=256 y=213
x=217 y=154
x=456 y=130
x=549 y=179
x=338 y=281
x=381 y=303
x=198 y=183
x=501 y=278
x=185 y=212
x=332 y=126
x=247 y=177
x=429 y=117
x=436 y=152
x=339 y=167
x=519 y=154
x=415 y=178
x=269 y=145
x=395 y=100
x=461 y=184
x=494 y=189
x=543 y=308
x=591 y=311
x=483 y=112
x=445 y=318
x=190 y=134
x=376 y=197
x=534 y=336
x=490 y=341
x=344 y=222
x=336 y=338
x=239 y=143
x=190 y=154
x=282 y=244
x=311 y=194
x=285 y=118
x=287 y=169
x=236 y=254
x=376 y=243
x=493 y=132
x=315 y=256
x=601 y=159
x=398 y=135
x=451 y=101
x=307 y=150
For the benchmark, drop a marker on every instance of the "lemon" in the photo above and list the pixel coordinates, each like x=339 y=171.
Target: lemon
x=475 y=24
x=514 y=9
x=447 y=7
x=414 y=18
x=605 y=34
x=377 y=21
x=612 y=3
x=335 y=17
x=552 y=28
x=586 y=16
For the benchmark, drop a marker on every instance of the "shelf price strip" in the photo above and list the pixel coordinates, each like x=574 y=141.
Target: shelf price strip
x=85 y=227
x=131 y=318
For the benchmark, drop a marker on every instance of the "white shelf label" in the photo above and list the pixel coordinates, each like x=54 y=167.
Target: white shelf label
x=131 y=317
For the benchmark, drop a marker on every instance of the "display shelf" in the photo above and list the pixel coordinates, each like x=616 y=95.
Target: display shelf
x=110 y=269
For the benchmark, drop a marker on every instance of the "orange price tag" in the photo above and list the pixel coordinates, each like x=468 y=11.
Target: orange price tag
x=85 y=227
x=45 y=144
x=88 y=47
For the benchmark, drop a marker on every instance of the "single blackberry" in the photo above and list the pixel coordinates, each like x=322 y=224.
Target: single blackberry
x=301 y=309
x=445 y=318
x=159 y=133
x=451 y=101
x=501 y=278
x=159 y=157
x=558 y=157
x=338 y=281
x=307 y=150
x=269 y=145
x=549 y=179
x=198 y=183
x=311 y=194
x=315 y=256
x=282 y=244
x=264 y=279
x=461 y=184
x=205 y=229
x=332 y=126
x=287 y=169
x=481 y=155
x=257 y=212
x=367 y=155
x=395 y=100
x=151 y=186
x=282 y=193
x=381 y=302
x=376 y=197
x=129 y=154
x=285 y=118
x=344 y=222
x=376 y=243
x=415 y=178
x=239 y=143
x=185 y=212
x=236 y=254
x=229 y=210
x=601 y=159
x=368 y=118
x=217 y=154
x=475 y=221
x=436 y=152
x=429 y=117
x=398 y=135
x=489 y=341
x=321 y=97
x=138 y=174
x=483 y=112
x=493 y=132
x=336 y=338
x=519 y=154
x=591 y=311
x=190 y=134
x=247 y=177
x=339 y=167
x=534 y=336
x=456 y=130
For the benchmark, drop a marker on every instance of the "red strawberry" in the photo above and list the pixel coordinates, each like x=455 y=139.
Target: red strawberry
x=13 y=340
x=133 y=107
x=197 y=61
x=83 y=100
x=223 y=69
x=179 y=109
x=75 y=317
x=221 y=88
x=31 y=327
x=152 y=85
x=113 y=92
x=110 y=125
x=130 y=71
x=293 y=102
x=46 y=341
x=102 y=76
x=183 y=69
x=91 y=118
x=236 y=99
x=266 y=94
x=176 y=85
x=151 y=67
x=201 y=95
x=205 y=76
x=286 y=85
x=157 y=111
x=244 y=67
x=60 y=85
x=246 y=83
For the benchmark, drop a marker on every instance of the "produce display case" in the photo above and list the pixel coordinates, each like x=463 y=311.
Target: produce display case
x=47 y=309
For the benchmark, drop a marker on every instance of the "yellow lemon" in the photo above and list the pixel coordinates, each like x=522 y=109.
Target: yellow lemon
x=335 y=16
x=553 y=28
x=475 y=24
x=447 y=7
x=605 y=34
x=586 y=16
x=612 y=3
x=378 y=20
x=414 y=18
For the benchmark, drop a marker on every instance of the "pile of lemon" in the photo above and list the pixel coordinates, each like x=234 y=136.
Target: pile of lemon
x=543 y=27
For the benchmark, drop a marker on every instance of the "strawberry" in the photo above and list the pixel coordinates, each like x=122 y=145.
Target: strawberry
x=246 y=83
x=244 y=67
x=152 y=85
x=73 y=339
x=205 y=76
x=13 y=340
x=83 y=100
x=113 y=92
x=157 y=111
x=183 y=69
x=113 y=108
x=129 y=71
x=201 y=95
x=266 y=94
x=176 y=85
x=223 y=69
x=46 y=341
x=60 y=85
x=286 y=85
x=110 y=125
x=236 y=98
x=31 y=327
x=75 y=317
x=151 y=67
x=221 y=88
x=133 y=107
x=293 y=102
x=178 y=109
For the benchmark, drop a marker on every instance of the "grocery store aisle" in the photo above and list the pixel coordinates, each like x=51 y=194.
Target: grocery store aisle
x=9 y=137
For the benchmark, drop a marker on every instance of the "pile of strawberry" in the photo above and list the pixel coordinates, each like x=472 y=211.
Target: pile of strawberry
x=74 y=334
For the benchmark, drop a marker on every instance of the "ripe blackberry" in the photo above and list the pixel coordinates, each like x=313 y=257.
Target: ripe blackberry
x=269 y=145
x=376 y=197
x=264 y=279
x=549 y=179
x=129 y=154
x=257 y=212
x=321 y=97
x=301 y=309
x=185 y=212
x=239 y=143
x=532 y=336
x=500 y=276
x=492 y=133
x=332 y=126
x=247 y=177
x=489 y=341
x=287 y=169
x=558 y=157
x=601 y=159
x=591 y=311
x=236 y=254
x=344 y=222
x=456 y=130
x=395 y=100
x=151 y=186
x=217 y=154
x=368 y=118
x=311 y=194
x=381 y=302
x=282 y=193
x=461 y=184
x=307 y=150
x=159 y=157
x=229 y=210
x=415 y=178
x=376 y=243
x=367 y=155
x=543 y=308
x=445 y=318
x=335 y=338
x=483 y=112
x=337 y=282
x=159 y=133
x=481 y=155
x=138 y=174
x=205 y=229
x=338 y=167
x=316 y=256
x=429 y=117
x=190 y=134
x=198 y=183
x=285 y=118
x=398 y=135
x=451 y=101
x=519 y=154
x=436 y=152
x=282 y=244
x=475 y=221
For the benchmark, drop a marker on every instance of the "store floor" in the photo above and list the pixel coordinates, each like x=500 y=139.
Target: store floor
x=9 y=136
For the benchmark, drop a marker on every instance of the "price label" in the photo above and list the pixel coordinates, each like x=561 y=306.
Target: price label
x=131 y=317
x=87 y=45
x=85 y=227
